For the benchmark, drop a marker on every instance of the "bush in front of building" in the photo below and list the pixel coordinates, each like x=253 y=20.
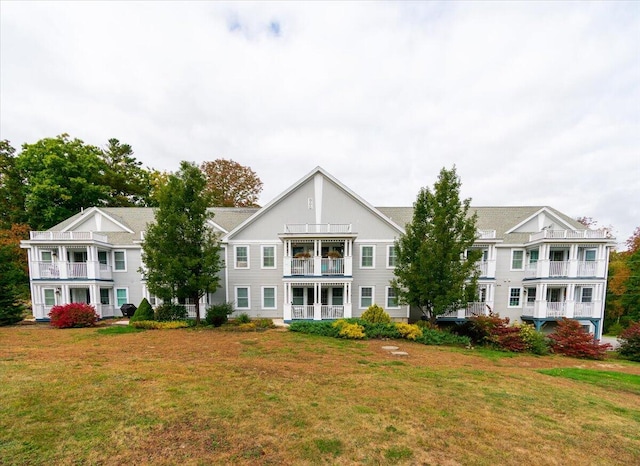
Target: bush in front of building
x=73 y=315
x=218 y=314
x=572 y=340
x=144 y=312
x=155 y=325
x=630 y=342
x=169 y=312
x=375 y=314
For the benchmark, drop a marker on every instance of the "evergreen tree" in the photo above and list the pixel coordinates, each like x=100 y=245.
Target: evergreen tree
x=435 y=268
x=129 y=183
x=10 y=307
x=180 y=252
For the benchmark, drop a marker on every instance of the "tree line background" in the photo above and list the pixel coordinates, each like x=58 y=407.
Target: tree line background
x=54 y=178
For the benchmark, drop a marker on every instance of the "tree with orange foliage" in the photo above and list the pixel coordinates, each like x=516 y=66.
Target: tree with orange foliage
x=230 y=184
x=623 y=286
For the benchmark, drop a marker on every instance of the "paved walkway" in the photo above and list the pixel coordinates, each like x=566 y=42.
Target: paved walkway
x=613 y=341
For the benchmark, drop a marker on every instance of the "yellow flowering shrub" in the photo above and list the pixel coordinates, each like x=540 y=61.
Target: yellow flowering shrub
x=409 y=331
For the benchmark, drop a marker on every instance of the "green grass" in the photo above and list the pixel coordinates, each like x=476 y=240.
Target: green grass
x=607 y=379
x=118 y=330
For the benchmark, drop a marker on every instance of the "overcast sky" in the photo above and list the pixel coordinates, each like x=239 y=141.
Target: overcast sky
x=535 y=103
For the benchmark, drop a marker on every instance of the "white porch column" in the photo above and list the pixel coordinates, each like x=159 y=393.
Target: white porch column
x=62 y=263
x=573 y=260
x=570 y=301
x=286 y=312
x=348 y=308
x=317 y=305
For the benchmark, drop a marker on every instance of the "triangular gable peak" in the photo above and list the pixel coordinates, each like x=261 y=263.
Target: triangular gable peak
x=94 y=219
x=317 y=198
x=543 y=219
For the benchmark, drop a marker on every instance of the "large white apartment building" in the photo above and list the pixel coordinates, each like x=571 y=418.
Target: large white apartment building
x=320 y=251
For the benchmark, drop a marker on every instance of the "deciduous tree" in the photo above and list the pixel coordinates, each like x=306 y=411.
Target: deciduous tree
x=129 y=183
x=435 y=268
x=230 y=184
x=181 y=254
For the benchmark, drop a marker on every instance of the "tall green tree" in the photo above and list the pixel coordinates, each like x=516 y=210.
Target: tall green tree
x=436 y=267
x=129 y=183
x=11 y=278
x=180 y=252
x=11 y=188
x=230 y=184
x=61 y=176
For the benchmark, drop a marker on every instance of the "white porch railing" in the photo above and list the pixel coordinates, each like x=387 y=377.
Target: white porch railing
x=332 y=266
x=558 y=268
x=587 y=268
x=317 y=228
x=66 y=236
x=471 y=310
x=77 y=270
x=302 y=311
x=556 y=309
x=48 y=270
x=583 y=310
x=302 y=267
x=486 y=234
x=560 y=234
x=332 y=312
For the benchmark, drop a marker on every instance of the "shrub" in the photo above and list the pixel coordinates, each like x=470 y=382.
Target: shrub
x=507 y=338
x=144 y=312
x=243 y=318
x=349 y=330
x=379 y=330
x=432 y=336
x=375 y=314
x=481 y=329
x=218 y=314
x=409 y=331
x=572 y=340
x=615 y=329
x=535 y=341
x=155 y=325
x=630 y=342
x=319 y=327
x=264 y=323
x=168 y=312
x=73 y=315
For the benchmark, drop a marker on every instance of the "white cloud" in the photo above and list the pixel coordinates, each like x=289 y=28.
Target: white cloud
x=536 y=103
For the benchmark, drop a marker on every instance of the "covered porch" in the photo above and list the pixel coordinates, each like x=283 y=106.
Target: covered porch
x=326 y=300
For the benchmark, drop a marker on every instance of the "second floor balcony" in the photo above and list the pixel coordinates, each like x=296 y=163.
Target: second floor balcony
x=63 y=270
x=318 y=266
x=570 y=268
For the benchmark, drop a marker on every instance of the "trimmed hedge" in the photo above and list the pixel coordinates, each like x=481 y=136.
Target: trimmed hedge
x=144 y=312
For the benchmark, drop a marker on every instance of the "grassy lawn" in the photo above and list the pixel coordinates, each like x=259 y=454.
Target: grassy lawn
x=191 y=396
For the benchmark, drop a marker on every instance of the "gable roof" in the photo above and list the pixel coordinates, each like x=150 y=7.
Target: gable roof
x=300 y=182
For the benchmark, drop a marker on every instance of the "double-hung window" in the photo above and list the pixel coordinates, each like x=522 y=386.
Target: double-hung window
x=268 y=297
x=122 y=296
x=517 y=259
x=104 y=296
x=514 y=297
x=49 y=297
x=268 y=257
x=242 y=297
x=391 y=257
x=587 y=295
x=242 y=257
x=119 y=261
x=366 y=296
x=367 y=257
x=392 y=299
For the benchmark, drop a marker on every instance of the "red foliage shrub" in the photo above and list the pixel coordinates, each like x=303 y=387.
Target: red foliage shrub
x=508 y=339
x=572 y=340
x=630 y=342
x=73 y=315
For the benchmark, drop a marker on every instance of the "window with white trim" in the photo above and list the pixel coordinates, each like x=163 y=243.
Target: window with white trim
x=392 y=299
x=242 y=257
x=590 y=255
x=587 y=295
x=268 y=297
x=531 y=295
x=242 y=297
x=104 y=296
x=337 y=296
x=517 y=259
x=119 y=261
x=49 y=295
x=102 y=257
x=367 y=257
x=392 y=257
x=268 y=257
x=122 y=296
x=46 y=256
x=514 y=297
x=534 y=254
x=366 y=296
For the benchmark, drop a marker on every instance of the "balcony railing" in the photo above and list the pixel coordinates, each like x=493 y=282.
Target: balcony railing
x=302 y=311
x=572 y=268
x=69 y=270
x=471 y=310
x=306 y=228
x=557 y=310
x=332 y=312
x=558 y=268
x=66 y=236
x=77 y=270
x=570 y=234
x=583 y=310
x=486 y=234
x=587 y=268
x=317 y=266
